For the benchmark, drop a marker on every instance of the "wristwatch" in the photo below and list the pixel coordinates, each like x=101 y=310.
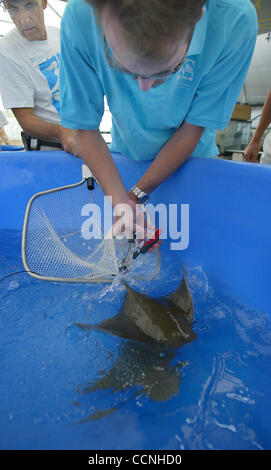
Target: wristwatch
x=141 y=195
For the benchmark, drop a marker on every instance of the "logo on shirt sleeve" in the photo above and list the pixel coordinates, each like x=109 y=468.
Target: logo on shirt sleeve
x=186 y=73
x=50 y=70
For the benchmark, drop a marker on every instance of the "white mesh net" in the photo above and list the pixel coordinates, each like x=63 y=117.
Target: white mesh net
x=61 y=243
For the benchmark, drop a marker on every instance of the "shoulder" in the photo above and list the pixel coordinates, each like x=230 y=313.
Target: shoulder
x=233 y=20
x=80 y=27
x=80 y=15
x=78 y=7
x=233 y=7
x=230 y=12
x=10 y=42
x=11 y=50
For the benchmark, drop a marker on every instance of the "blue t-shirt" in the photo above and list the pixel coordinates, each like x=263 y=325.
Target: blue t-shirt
x=203 y=92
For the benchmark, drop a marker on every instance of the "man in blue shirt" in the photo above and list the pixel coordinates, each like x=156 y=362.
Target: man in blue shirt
x=171 y=72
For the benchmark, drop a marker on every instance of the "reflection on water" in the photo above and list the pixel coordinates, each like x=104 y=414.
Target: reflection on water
x=146 y=368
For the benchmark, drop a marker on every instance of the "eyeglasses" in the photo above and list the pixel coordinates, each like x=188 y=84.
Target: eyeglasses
x=160 y=75
x=15 y=11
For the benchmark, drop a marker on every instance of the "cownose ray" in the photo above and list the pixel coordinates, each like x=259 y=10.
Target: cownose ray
x=149 y=363
x=166 y=320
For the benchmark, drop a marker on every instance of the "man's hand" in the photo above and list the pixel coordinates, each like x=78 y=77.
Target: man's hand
x=130 y=218
x=252 y=151
x=67 y=140
x=146 y=222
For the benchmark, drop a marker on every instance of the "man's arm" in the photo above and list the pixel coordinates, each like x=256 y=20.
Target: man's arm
x=93 y=150
x=173 y=154
x=252 y=151
x=37 y=127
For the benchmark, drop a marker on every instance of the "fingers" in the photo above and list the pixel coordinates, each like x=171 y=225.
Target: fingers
x=252 y=151
x=132 y=219
x=125 y=224
x=250 y=157
x=70 y=147
x=156 y=245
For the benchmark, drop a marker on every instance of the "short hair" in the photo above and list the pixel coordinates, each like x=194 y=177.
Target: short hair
x=150 y=25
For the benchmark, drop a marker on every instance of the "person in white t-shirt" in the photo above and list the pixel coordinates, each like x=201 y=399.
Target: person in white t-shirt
x=253 y=149
x=3 y=136
x=29 y=79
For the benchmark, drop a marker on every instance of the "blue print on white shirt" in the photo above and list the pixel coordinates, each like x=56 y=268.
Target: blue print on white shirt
x=50 y=70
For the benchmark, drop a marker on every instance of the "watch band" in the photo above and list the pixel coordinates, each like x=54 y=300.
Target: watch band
x=141 y=195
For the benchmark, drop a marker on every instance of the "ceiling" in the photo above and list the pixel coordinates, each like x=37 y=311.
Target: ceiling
x=263 y=8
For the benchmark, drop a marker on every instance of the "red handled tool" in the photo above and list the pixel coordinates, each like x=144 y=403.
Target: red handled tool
x=128 y=259
x=147 y=245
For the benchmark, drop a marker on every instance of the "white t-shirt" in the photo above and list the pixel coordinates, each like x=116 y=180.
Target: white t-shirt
x=29 y=75
x=3 y=120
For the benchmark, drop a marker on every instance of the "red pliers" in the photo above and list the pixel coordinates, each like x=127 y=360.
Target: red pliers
x=148 y=244
x=127 y=260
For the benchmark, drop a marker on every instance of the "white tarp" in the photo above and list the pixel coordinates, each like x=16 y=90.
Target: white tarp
x=258 y=81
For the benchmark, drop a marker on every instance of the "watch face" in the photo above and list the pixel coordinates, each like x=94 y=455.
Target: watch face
x=144 y=198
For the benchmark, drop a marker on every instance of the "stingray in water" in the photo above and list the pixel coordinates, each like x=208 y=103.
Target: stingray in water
x=150 y=364
x=167 y=320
